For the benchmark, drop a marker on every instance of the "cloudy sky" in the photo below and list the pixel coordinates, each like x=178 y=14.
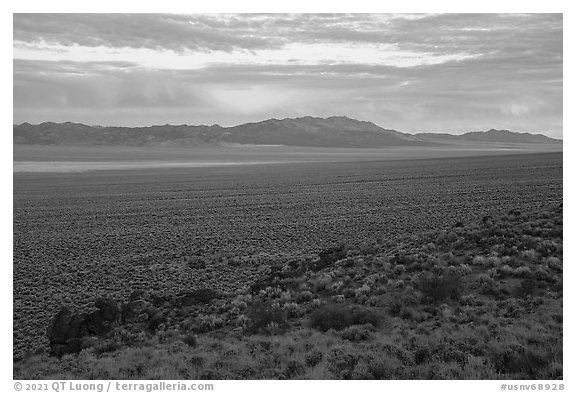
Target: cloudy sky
x=414 y=73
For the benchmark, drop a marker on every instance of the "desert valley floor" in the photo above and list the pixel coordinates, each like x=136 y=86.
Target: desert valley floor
x=382 y=231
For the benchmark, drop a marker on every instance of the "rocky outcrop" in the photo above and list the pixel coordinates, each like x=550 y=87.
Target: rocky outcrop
x=67 y=330
x=71 y=332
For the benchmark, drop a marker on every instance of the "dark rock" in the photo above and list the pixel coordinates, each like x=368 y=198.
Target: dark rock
x=151 y=311
x=160 y=300
x=277 y=278
x=97 y=324
x=272 y=280
x=66 y=331
x=199 y=296
x=487 y=221
x=196 y=262
x=329 y=256
x=66 y=326
x=108 y=308
x=137 y=295
x=156 y=320
x=131 y=311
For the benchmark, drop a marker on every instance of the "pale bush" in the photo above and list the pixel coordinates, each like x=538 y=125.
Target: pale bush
x=523 y=272
x=485 y=279
x=530 y=255
x=362 y=291
x=554 y=263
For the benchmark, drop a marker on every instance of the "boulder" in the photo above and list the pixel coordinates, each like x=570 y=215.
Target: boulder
x=199 y=296
x=156 y=320
x=97 y=324
x=133 y=311
x=196 y=262
x=66 y=326
x=328 y=257
x=487 y=221
x=73 y=346
x=66 y=332
x=137 y=295
x=108 y=308
x=161 y=300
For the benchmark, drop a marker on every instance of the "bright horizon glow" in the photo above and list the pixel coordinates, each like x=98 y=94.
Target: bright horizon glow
x=293 y=54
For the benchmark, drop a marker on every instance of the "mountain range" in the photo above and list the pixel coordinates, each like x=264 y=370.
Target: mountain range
x=336 y=131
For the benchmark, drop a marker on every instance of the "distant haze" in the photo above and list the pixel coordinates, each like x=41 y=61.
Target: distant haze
x=415 y=73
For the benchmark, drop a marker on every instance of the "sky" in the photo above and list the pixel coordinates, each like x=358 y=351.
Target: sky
x=451 y=73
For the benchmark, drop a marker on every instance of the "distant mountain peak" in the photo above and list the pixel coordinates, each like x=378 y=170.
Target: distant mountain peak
x=332 y=131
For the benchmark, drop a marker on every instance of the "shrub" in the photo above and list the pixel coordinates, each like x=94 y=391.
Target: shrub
x=523 y=272
x=107 y=346
x=321 y=282
x=541 y=273
x=190 y=340
x=451 y=237
x=357 y=333
x=516 y=359
x=480 y=260
x=304 y=296
x=294 y=368
x=330 y=317
x=547 y=248
x=329 y=256
x=530 y=255
x=261 y=316
x=526 y=287
x=313 y=358
x=363 y=290
x=414 y=267
x=439 y=287
x=411 y=314
x=399 y=269
x=293 y=310
x=369 y=249
x=554 y=263
x=365 y=316
x=196 y=262
x=471 y=300
x=395 y=308
x=207 y=323
x=338 y=317
x=378 y=369
x=341 y=363
x=484 y=279
x=317 y=303
x=465 y=269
